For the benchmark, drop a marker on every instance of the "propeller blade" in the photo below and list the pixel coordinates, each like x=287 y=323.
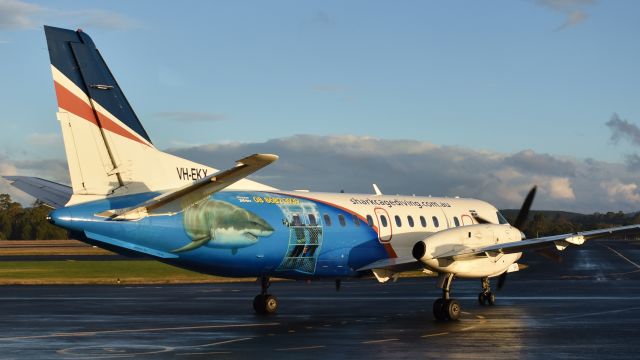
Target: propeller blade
x=502 y=279
x=524 y=210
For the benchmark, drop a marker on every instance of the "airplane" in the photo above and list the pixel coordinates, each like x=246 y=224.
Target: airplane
x=132 y=198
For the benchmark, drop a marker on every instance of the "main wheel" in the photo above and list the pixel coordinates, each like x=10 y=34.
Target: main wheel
x=438 y=310
x=452 y=309
x=265 y=304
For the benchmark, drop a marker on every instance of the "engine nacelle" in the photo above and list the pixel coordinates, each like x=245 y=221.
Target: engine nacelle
x=444 y=251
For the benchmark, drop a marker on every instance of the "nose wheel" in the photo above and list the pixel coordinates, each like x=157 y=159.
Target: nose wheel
x=263 y=303
x=445 y=308
x=486 y=297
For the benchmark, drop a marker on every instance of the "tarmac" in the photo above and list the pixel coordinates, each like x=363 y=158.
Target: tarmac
x=586 y=307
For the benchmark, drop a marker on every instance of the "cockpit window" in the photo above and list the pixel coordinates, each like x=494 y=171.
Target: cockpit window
x=501 y=219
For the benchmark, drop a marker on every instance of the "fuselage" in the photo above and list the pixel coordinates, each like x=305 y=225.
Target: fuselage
x=284 y=234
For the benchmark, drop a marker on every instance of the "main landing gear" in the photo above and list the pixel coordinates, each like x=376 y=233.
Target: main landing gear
x=445 y=308
x=263 y=303
x=486 y=297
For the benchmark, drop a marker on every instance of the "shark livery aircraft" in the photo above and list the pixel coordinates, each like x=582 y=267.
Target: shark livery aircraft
x=129 y=197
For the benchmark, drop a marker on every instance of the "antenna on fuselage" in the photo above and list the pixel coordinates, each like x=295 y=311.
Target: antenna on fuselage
x=377 y=190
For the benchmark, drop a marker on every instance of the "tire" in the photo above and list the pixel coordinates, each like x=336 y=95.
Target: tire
x=491 y=299
x=482 y=299
x=258 y=304
x=438 y=310
x=452 y=309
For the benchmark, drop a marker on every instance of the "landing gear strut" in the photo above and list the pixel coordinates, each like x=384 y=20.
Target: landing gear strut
x=486 y=297
x=445 y=308
x=265 y=304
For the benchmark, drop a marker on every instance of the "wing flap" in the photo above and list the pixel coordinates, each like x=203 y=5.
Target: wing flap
x=176 y=201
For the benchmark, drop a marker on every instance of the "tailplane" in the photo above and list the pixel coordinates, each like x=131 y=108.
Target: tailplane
x=108 y=150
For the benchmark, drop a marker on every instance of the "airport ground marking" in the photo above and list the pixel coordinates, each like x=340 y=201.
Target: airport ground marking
x=224 y=342
x=597 y=313
x=378 y=341
x=436 y=334
x=125 y=331
x=302 y=348
x=622 y=256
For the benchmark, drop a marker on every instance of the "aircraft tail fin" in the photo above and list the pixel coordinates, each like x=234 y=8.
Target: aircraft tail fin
x=108 y=150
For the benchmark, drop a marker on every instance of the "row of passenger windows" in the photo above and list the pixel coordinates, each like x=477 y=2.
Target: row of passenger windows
x=383 y=220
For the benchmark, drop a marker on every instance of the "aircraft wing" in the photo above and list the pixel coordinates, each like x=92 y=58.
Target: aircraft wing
x=560 y=242
x=50 y=193
x=176 y=201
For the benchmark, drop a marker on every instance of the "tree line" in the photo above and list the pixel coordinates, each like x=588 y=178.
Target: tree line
x=26 y=223
x=30 y=223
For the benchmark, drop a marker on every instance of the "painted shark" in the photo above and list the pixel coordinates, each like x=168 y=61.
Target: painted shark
x=220 y=224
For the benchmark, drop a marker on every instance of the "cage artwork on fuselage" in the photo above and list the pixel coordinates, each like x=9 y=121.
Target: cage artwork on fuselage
x=305 y=237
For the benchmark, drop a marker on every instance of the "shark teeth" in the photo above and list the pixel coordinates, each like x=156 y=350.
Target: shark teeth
x=251 y=236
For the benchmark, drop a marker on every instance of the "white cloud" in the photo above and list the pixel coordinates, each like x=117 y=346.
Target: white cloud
x=21 y=15
x=352 y=163
x=18 y=15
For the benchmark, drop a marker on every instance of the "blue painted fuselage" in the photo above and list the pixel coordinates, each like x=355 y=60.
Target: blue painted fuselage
x=237 y=234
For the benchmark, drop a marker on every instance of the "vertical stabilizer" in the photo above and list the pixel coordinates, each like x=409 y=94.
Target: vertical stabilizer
x=108 y=150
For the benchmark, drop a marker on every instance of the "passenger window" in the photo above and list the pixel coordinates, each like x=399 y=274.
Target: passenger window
x=312 y=220
x=410 y=220
x=327 y=220
x=356 y=221
x=423 y=221
x=436 y=223
x=383 y=220
x=370 y=220
x=456 y=221
x=398 y=221
x=296 y=220
x=341 y=220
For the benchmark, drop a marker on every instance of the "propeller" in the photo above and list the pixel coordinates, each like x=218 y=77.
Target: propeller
x=521 y=220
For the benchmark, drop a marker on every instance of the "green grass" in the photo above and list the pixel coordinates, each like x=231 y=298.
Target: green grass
x=100 y=272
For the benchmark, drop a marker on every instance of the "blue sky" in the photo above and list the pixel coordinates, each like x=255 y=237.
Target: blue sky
x=500 y=77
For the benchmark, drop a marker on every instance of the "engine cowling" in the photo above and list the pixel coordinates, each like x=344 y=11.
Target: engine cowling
x=444 y=251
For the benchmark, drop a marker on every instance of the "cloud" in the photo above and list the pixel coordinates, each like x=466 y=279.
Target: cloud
x=353 y=163
x=572 y=9
x=623 y=130
x=38 y=139
x=19 y=15
x=22 y=15
x=191 y=116
x=51 y=169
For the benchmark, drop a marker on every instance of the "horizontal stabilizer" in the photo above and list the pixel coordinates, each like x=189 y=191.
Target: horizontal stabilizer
x=176 y=201
x=129 y=246
x=50 y=193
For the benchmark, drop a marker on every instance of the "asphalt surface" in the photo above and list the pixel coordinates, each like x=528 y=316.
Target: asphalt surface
x=586 y=307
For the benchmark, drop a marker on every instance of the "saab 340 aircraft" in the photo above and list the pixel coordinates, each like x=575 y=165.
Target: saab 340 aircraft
x=129 y=197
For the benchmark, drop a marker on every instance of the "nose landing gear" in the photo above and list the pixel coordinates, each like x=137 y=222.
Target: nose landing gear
x=486 y=297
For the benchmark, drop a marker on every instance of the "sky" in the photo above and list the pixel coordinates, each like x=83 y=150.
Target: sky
x=457 y=98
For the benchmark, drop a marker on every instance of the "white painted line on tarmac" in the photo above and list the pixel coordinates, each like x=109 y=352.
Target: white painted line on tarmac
x=125 y=331
x=622 y=256
x=597 y=313
x=302 y=348
x=224 y=342
x=436 y=334
x=378 y=341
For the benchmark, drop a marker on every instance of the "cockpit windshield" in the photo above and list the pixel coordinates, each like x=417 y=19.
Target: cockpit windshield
x=501 y=219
